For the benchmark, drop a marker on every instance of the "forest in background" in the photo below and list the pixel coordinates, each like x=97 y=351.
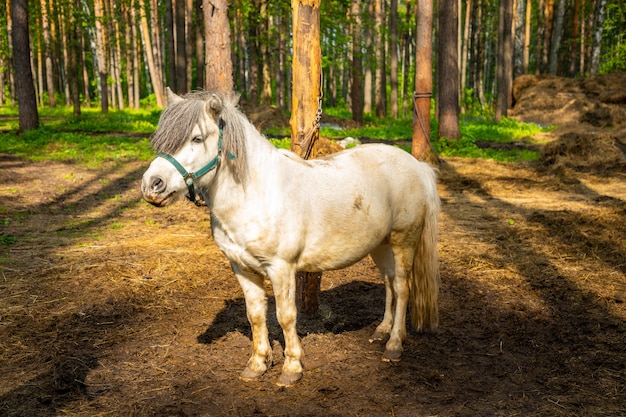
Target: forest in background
x=119 y=53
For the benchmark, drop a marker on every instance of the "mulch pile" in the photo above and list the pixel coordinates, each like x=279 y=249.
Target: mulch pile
x=590 y=114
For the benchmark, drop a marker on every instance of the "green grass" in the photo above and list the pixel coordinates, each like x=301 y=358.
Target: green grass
x=90 y=139
x=95 y=138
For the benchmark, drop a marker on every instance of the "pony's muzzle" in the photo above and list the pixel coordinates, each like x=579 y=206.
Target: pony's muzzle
x=153 y=189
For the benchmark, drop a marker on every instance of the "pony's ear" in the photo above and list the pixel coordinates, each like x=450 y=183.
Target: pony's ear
x=172 y=97
x=214 y=106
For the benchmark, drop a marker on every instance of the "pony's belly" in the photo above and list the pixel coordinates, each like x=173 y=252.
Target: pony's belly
x=333 y=256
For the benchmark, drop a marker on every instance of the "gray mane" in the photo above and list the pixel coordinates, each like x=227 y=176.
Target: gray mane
x=178 y=120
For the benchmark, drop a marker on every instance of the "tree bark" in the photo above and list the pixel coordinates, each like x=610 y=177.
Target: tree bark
x=153 y=68
x=181 y=47
x=200 y=50
x=464 y=52
x=519 y=37
x=598 y=23
x=73 y=43
x=24 y=86
x=266 y=74
x=306 y=82
x=557 y=32
x=356 y=91
x=45 y=29
x=526 y=54
x=421 y=148
x=548 y=16
x=381 y=77
x=448 y=73
x=368 y=80
x=505 y=61
x=393 y=56
x=219 y=64
x=170 y=41
x=101 y=56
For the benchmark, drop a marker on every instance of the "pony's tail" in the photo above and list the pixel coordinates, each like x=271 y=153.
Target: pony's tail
x=424 y=285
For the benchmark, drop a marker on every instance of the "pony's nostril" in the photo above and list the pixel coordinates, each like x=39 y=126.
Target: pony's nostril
x=157 y=185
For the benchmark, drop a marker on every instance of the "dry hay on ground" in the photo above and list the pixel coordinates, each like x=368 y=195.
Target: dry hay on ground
x=110 y=306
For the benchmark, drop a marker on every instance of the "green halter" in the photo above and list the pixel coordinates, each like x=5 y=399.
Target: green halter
x=189 y=177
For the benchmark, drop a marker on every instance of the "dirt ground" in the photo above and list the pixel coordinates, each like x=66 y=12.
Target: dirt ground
x=109 y=306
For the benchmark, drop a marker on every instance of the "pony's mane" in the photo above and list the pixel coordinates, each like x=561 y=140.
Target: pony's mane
x=178 y=120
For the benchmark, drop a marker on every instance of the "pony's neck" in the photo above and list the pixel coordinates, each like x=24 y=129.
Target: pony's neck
x=261 y=160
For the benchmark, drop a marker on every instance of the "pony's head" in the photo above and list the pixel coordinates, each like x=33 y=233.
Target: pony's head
x=195 y=135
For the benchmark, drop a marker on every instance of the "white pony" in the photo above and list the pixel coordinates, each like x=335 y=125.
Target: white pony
x=273 y=213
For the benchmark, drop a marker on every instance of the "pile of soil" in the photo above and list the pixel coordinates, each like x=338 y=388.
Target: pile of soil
x=590 y=114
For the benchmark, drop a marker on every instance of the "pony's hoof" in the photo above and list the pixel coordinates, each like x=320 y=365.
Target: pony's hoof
x=288 y=379
x=378 y=337
x=392 y=355
x=249 y=375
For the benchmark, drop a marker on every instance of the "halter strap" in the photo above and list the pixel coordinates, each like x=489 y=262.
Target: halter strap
x=189 y=177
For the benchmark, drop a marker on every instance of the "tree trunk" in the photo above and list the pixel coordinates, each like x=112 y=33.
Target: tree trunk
x=356 y=91
x=519 y=37
x=598 y=23
x=574 y=48
x=73 y=43
x=170 y=41
x=369 y=45
x=135 y=59
x=464 y=52
x=266 y=73
x=45 y=29
x=557 y=32
x=548 y=16
x=393 y=55
x=381 y=78
x=219 y=64
x=306 y=82
x=407 y=39
x=253 y=53
x=505 y=62
x=583 y=44
x=421 y=148
x=181 y=47
x=448 y=73
x=199 y=29
x=189 y=44
x=101 y=56
x=526 y=55
x=116 y=57
x=153 y=67
x=157 y=46
x=25 y=89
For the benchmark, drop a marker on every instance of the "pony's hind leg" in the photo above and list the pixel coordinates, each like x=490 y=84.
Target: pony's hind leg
x=256 y=310
x=383 y=258
x=403 y=259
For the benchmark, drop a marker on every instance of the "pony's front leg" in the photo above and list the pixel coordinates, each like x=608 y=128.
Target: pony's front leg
x=284 y=284
x=256 y=310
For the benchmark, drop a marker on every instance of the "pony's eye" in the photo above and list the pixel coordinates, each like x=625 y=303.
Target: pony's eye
x=197 y=139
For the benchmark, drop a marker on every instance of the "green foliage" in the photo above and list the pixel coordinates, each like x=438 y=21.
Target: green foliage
x=90 y=139
x=614 y=38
